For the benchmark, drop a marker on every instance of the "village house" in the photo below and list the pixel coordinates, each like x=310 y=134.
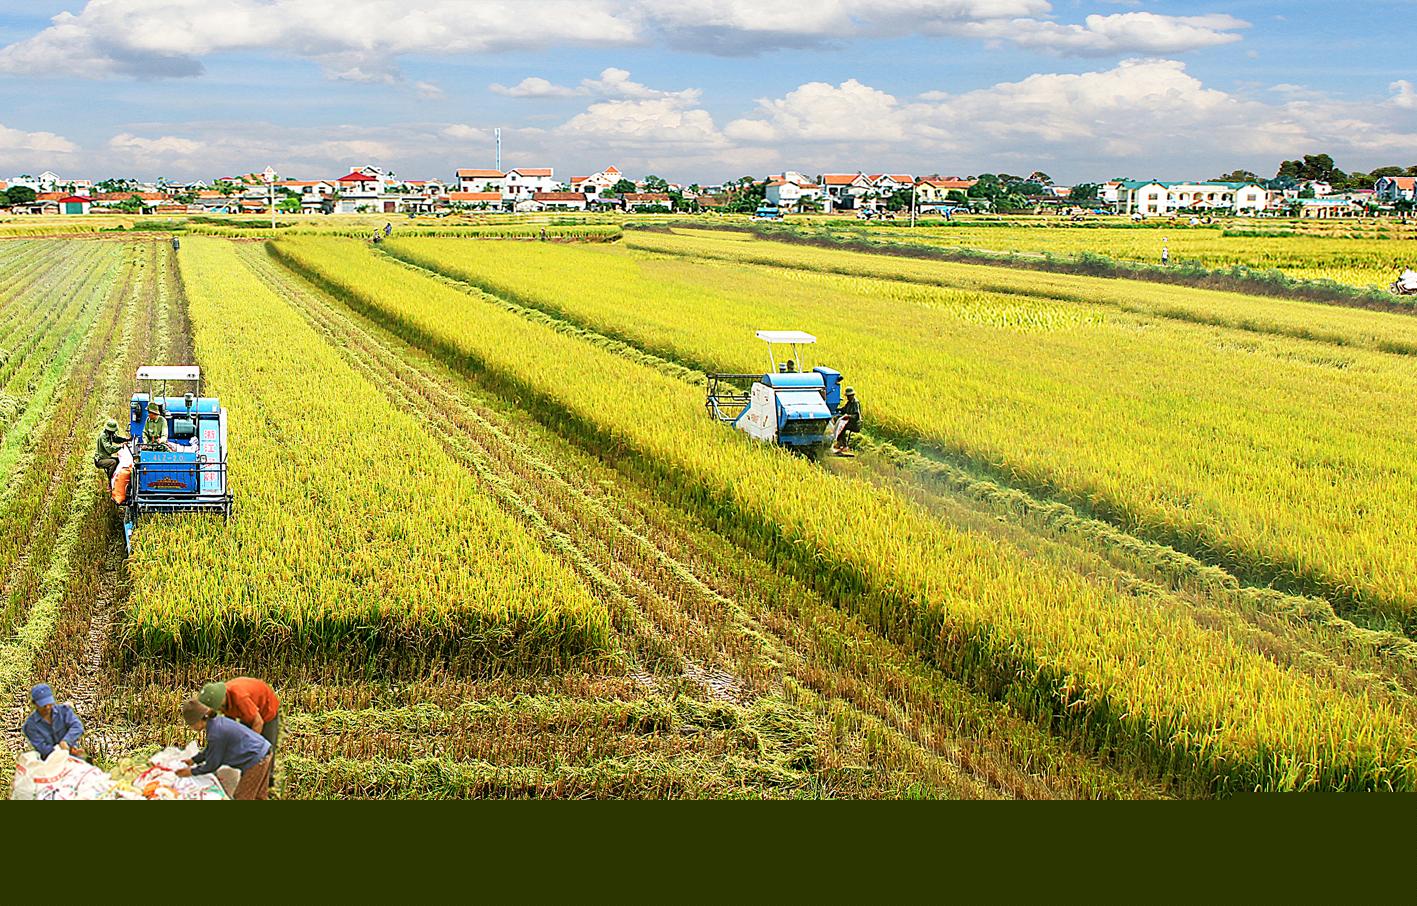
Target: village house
x=479 y=201
x=634 y=201
x=1328 y=208
x=1153 y=198
x=362 y=193
x=1391 y=189
x=522 y=183
x=148 y=201
x=792 y=191
x=844 y=190
x=597 y=184
x=935 y=190
x=887 y=184
x=473 y=180
x=556 y=201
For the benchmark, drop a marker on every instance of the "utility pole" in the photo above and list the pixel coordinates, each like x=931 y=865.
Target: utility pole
x=498 y=132
x=912 y=204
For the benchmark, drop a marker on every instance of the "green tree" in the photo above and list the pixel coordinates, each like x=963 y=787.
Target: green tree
x=290 y=204
x=1085 y=193
x=656 y=184
x=623 y=186
x=19 y=195
x=1238 y=176
x=133 y=204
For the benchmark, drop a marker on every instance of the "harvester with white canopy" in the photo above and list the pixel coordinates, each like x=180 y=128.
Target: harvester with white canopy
x=787 y=405
x=178 y=464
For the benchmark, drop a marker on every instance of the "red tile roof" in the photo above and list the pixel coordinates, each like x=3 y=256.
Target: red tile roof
x=558 y=196
x=645 y=196
x=474 y=196
x=840 y=179
x=124 y=196
x=356 y=176
x=531 y=171
x=74 y=199
x=1405 y=183
x=939 y=183
x=480 y=174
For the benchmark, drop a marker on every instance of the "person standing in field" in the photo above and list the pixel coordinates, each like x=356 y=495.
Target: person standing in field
x=105 y=451
x=229 y=744
x=250 y=701
x=848 y=421
x=1165 y=251
x=53 y=726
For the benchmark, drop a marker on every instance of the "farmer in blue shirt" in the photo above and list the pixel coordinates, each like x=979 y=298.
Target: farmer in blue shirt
x=52 y=726
x=230 y=743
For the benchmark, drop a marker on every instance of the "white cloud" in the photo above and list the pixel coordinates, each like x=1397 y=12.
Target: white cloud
x=1149 y=117
x=818 y=111
x=27 y=149
x=1404 y=96
x=613 y=83
x=362 y=40
x=1119 y=33
x=535 y=87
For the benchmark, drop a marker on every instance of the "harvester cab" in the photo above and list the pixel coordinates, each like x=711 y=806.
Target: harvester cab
x=787 y=405
x=182 y=467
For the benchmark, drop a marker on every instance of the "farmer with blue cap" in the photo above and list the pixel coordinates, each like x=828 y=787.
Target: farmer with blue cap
x=52 y=725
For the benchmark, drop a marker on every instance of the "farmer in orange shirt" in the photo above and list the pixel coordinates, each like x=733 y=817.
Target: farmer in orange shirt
x=250 y=701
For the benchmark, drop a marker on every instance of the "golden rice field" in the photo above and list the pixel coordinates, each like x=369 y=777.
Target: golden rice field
x=1373 y=260
x=332 y=547
x=1102 y=538
x=1201 y=437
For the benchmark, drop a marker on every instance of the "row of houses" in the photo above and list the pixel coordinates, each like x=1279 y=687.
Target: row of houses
x=369 y=189
x=364 y=189
x=1310 y=199
x=858 y=191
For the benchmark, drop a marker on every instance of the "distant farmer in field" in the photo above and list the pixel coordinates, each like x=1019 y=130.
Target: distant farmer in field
x=229 y=744
x=52 y=726
x=251 y=702
x=1165 y=252
x=848 y=421
x=154 y=429
x=388 y=228
x=105 y=451
x=1406 y=283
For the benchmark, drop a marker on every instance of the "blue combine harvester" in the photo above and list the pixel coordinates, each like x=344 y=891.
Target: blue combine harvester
x=184 y=470
x=787 y=405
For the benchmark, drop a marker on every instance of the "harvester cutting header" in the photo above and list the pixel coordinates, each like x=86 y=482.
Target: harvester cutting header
x=787 y=405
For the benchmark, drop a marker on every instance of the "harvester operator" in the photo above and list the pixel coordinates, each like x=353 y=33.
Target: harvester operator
x=155 y=429
x=251 y=702
x=848 y=421
x=105 y=452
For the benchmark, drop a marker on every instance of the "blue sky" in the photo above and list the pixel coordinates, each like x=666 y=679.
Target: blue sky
x=1083 y=89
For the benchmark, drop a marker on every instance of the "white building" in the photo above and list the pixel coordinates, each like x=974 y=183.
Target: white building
x=789 y=193
x=1389 y=189
x=473 y=180
x=597 y=184
x=1159 y=199
x=522 y=183
x=844 y=190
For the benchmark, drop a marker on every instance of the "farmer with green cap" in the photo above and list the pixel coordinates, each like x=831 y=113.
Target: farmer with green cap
x=105 y=450
x=155 y=429
x=251 y=702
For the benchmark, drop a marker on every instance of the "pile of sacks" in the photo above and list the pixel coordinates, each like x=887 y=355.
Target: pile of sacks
x=62 y=776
